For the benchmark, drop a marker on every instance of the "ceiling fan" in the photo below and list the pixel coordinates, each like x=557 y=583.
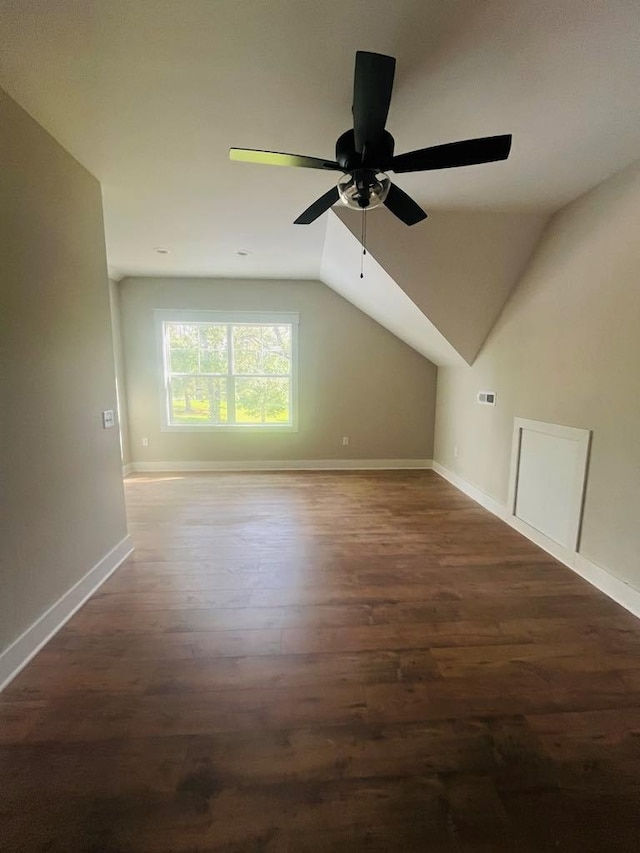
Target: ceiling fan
x=365 y=154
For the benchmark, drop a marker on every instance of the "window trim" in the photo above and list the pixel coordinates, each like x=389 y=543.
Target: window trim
x=166 y=315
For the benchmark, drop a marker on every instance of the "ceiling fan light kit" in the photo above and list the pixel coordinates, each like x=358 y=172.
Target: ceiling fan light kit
x=366 y=153
x=364 y=191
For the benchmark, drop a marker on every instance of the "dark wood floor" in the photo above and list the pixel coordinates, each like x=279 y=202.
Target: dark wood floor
x=327 y=662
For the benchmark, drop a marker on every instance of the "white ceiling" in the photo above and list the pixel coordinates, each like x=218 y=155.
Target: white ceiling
x=149 y=95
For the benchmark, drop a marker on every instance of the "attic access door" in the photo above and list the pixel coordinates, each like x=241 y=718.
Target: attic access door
x=548 y=478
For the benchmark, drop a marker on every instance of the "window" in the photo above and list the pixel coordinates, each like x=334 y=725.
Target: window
x=228 y=371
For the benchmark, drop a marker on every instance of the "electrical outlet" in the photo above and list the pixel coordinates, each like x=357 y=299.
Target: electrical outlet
x=145 y=442
x=108 y=419
x=345 y=440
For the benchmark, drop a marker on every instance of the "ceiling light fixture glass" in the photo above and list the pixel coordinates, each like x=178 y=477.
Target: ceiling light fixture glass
x=364 y=189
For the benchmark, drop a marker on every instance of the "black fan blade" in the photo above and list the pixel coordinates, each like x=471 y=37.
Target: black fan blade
x=403 y=206
x=372 y=87
x=467 y=153
x=318 y=207
x=275 y=158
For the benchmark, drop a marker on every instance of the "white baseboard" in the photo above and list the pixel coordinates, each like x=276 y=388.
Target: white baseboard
x=282 y=465
x=20 y=652
x=612 y=586
x=473 y=492
x=560 y=552
x=616 y=589
x=127 y=469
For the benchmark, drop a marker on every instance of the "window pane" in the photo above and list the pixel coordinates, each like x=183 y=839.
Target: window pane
x=262 y=401
x=261 y=349
x=198 y=401
x=182 y=347
x=213 y=349
x=277 y=349
x=247 y=349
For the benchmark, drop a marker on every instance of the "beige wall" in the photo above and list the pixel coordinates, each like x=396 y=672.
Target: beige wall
x=458 y=267
x=355 y=378
x=118 y=357
x=63 y=506
x=566 y=350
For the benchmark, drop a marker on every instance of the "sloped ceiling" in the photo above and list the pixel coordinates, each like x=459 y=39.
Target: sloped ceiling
x=378 y=295
x=458 y=268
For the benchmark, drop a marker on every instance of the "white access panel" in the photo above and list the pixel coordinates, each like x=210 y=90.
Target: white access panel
x=548 y=475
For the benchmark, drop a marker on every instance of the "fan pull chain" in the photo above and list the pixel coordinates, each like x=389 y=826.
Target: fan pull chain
x=363 y=240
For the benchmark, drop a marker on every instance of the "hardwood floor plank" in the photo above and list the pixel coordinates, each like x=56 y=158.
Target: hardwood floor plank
x=158 y=646
x=544 y=659
x=283 y=671
x=349 y=751
x=393 y=636
x=124 y=716
x=167 y=600
x=176 y=621
x=46 y=679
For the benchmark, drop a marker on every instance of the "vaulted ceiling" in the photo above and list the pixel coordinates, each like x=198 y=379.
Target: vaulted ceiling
x=149 y=95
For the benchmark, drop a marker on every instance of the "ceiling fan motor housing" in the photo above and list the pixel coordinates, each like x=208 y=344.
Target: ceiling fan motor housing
x=376 y=156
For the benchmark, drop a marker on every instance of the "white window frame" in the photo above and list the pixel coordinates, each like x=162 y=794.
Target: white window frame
x=268 y=318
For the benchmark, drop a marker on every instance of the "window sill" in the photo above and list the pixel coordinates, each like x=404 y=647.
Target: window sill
x=237 y=429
